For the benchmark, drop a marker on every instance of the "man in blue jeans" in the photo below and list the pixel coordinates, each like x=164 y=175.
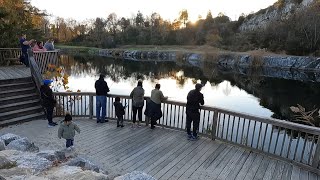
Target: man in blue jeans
x=102 y=90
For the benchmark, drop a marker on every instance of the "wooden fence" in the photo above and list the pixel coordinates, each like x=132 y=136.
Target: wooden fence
x=8 y=55
x=288 y=141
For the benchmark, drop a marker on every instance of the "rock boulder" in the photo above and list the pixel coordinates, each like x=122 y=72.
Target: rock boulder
x=23 y=144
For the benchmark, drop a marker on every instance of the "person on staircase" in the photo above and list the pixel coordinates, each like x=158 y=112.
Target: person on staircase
x=48 y=101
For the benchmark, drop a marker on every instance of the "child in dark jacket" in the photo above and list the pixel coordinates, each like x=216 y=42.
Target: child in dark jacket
x=119 y=108
x=67 y=131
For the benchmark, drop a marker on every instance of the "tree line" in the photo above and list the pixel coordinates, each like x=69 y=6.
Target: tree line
x=298 y=35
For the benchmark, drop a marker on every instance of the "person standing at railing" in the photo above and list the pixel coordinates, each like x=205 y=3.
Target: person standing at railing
x=48 y=101
x=39 y=47
x=194 y=100
x=153 y=109
x=102 y=90
x=137 y=95
x=25 y=45
x=49 y=45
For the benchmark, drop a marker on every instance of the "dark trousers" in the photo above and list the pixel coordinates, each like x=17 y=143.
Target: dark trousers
x=69 y=142
x=24 y=58
x=134 y=111
x=193 y=117
x=49 y=112
x=119 y=120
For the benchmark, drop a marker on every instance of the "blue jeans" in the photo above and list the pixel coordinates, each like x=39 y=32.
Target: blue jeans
x=69 y=142
x=101 y=102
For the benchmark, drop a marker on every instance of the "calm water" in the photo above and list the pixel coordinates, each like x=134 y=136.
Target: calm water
x=253 y=94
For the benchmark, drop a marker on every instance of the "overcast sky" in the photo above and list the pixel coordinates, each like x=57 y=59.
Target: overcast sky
x=168 y=9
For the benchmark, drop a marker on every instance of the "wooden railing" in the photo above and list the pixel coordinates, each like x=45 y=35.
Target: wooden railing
x=43 y=59
x=289 y=141
x=35 y=70
x=9 y=54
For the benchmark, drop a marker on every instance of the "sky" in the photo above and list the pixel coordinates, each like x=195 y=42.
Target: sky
x=168 y=9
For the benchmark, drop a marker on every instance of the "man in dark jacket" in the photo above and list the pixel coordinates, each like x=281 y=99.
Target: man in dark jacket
x=102 y=90
x=194 y=100
x=48 y=101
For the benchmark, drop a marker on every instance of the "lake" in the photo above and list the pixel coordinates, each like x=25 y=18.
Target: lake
x=253 y=94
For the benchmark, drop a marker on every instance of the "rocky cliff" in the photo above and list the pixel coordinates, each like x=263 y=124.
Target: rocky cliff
x=282 y=9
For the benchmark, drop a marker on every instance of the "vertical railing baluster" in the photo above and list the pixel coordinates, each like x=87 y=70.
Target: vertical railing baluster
x=228 y=127
x=248 y=129
x=304 y=146
x=311 y=149
x=265 y=136
x=316 y=157
x=275 y=147
x=244 y=122
x=174 y=116
x=253 y=133
x=178 y=121
x=290 y=142
x=295 y=151
x=283 y=140
x=222 y=129
x=260 y=129
x=90 y=106
x=238 y=129
x=271 y=135
x=214 y=125
x=234 y=117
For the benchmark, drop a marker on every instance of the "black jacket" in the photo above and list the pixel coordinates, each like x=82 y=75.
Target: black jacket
x=47 y=96
x=119 y=108
x=102 y=88
x=194 y=100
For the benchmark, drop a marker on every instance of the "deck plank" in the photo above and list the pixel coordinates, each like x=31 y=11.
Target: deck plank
x=162 y=153
x=14 y=72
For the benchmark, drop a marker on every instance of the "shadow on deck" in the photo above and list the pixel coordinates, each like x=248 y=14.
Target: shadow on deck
x=162 y=153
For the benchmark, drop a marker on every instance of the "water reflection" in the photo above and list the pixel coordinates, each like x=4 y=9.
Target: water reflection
x=249 y=92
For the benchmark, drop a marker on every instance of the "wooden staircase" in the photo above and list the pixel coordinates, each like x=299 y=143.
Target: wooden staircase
x=19 y=101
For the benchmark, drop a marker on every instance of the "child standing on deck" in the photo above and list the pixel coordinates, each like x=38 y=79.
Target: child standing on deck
x=119 y=108
x=67 y=131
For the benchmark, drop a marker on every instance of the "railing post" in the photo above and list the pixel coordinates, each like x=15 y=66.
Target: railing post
x=90 y=106
x=214 y=125
x=316 y=157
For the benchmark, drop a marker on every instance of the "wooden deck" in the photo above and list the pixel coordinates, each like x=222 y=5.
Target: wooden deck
x=14 y=72
x=162 y=153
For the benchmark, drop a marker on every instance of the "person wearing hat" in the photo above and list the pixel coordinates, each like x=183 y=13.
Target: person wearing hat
x=102 y=90
x=48 y=101
x=67 y=131
x=137 y=95
x=194 y=100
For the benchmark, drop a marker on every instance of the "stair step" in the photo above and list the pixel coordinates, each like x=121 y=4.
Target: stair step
x=19 y=105
x=19 y=98
x=22 y=119
x=20 y=112
x=13 y=81
x=16 y=92
x=12 y=86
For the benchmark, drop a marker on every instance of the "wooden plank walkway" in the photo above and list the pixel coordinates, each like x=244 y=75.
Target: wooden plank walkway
x=14 y=72
x=162 y=153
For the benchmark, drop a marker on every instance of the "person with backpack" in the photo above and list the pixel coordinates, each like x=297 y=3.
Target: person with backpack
x=48 y=101
x=119 y=108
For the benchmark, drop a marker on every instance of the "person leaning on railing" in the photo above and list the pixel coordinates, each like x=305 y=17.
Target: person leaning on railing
x=194 y=100
x=153 y=109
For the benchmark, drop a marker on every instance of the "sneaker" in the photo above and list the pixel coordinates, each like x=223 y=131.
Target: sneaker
x=194 y=138
x=118 y=125
x=50 y=126
x=133 y=126
x=152 y=127
x=122 y=126
x=189 y=136
x=69 y=148
x=55 y=123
